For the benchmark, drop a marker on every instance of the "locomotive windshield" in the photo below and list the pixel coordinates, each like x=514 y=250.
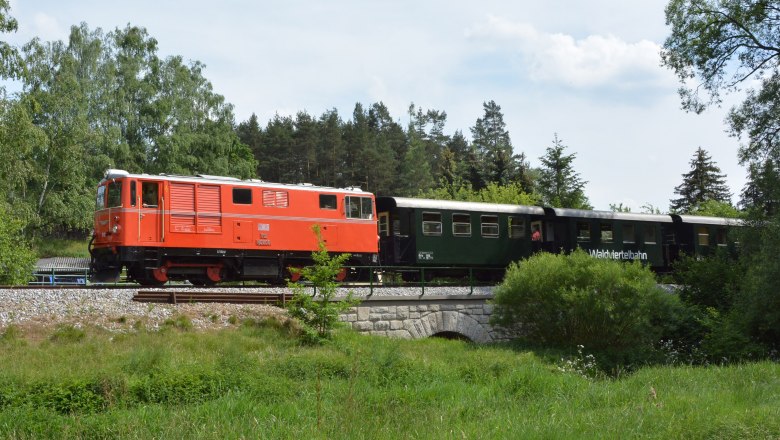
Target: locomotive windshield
x=114 y=194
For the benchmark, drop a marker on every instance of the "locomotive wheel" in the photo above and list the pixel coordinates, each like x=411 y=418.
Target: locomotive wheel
x=148 y=279
x=201 y=281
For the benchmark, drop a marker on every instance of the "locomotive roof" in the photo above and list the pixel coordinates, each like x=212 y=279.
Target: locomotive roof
x=450 y=205
x=609 y=215
x=205 y=178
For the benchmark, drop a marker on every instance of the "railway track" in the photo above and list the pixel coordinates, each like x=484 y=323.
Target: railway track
x=179 y=297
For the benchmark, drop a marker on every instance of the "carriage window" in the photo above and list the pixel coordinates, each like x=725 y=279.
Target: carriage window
x=516 y=227
x=461 y=225
x=650 y=234
x=100 y=202
x=133 y=194
x=704 y=236
x=628 y=234
x=583 y=231
x=327 y=201
x=431 y=223
x=149 y=194
x=242 y=196
x=606 y=233
x=359 y=207
x=721 y=237
x=490 y=226
x=114 y=194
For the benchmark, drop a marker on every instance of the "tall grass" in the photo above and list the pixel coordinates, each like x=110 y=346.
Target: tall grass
x=258 y=382
x=60 y=247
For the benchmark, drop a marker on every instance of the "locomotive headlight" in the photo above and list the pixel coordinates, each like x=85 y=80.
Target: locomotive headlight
x=115 y=229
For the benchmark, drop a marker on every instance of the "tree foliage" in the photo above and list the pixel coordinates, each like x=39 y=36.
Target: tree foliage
x=99 y=101
x=721 y=44
x=16 y=258
x=559 y=185
x=717 y=47
x=702 y=184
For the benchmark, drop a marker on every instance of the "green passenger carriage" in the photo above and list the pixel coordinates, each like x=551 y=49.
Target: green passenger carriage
x=442 y=233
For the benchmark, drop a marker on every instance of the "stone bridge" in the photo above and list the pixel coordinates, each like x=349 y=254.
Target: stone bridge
x=414 y=317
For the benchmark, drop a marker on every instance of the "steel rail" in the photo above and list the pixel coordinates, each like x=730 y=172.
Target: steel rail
x=185 y=297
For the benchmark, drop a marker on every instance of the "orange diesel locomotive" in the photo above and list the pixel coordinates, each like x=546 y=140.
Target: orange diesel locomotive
x=208 y=229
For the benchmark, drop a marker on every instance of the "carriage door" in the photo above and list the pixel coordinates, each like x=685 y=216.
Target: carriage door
x=151 y=213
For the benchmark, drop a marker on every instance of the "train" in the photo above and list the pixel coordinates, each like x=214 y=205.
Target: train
x=211 y=229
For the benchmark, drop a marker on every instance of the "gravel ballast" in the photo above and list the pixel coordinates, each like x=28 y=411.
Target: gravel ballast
x=113 y=309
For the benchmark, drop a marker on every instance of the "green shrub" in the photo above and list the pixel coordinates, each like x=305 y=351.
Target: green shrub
x=709 y=282
x=571 y=300
x=319 y=317
x=67 y=333
x=181 y=322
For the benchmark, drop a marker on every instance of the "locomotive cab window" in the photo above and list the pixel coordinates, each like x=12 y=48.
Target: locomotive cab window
x=703 y=234
x=327 y=201
x=650 y=234
x=149 y=194
x=490 y=226
x=100 y=202
x=516 y=227
x=242 y=196
x=461 y=225
x=133 y=194
x=628 y=234
x=583 y=231
x=606 y=233
x=114 y=194
x=359 y=207
x=431 y=223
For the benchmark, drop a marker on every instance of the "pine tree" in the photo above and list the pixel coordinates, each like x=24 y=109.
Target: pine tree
x=493 y=145
x=559 y=185
x=704 y=182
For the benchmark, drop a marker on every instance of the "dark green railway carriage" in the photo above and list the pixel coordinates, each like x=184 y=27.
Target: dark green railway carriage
x=648 y=238
x=439 y=233
x=697 y=235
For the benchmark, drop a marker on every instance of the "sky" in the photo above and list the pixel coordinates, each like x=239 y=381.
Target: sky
x=587 y=71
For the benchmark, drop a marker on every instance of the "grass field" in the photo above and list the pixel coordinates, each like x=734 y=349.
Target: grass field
x=256 y=381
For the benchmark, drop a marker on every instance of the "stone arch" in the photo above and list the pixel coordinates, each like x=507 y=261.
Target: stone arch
x=447 y=321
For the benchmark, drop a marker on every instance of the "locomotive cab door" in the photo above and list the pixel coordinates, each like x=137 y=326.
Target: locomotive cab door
x=151 y=212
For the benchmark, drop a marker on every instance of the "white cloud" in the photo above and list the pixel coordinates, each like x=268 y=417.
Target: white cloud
x=594 y=61
x=47 y=28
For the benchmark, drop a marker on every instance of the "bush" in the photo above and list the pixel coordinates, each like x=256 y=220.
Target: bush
x=571 y=300
x=17 y=260
x=319 y=317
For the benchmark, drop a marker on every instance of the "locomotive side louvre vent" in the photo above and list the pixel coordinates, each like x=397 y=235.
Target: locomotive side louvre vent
x=209 y=204
x=183 y=207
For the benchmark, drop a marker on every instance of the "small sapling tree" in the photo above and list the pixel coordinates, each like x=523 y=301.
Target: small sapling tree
x=320 y=314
